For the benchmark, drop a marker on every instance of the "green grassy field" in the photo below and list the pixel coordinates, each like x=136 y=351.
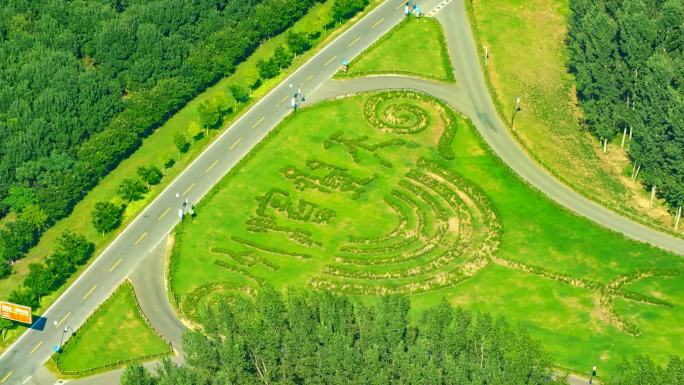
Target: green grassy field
x=393 y=193
x=159 y=147
x=415 y=46
x=527 y=58
x=116 y=332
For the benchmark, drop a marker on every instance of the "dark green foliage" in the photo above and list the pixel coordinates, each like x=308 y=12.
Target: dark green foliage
x=641 y=370
x=298 y=42
x=268 y=69
x=24 y=296
x=282 y=57
x=152 y=175
x=136 y=375
x=169 y=163
x=132 y=190
x=628 y=59
x=106 y=216
x=83 y=82
x=209 y=114
x=20 y=197
x=345 y=9
x=239 y=93
x=320 y=338
x=71 y=251
x=181 y=142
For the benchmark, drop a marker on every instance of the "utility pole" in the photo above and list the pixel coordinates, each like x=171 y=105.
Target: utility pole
x=486 y=55
x=515 y=111
x=592 y=374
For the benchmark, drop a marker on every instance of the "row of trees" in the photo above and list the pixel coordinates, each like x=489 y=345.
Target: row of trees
x=628 y=58
x=70 y=252
x=320 y=338
x=642 y=370
x=82 y=83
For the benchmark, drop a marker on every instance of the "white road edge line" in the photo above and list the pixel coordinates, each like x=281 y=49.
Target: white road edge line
x=184 y=172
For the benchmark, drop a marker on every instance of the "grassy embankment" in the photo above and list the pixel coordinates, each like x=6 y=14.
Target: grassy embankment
x=414 y=47
x=113 y=336
x=159 y=147
x=527 y=58
x=555 y=273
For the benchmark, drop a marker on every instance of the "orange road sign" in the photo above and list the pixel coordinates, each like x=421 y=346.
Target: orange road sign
x=15 y=312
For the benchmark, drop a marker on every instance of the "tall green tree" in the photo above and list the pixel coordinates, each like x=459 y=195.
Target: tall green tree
x=106 y=216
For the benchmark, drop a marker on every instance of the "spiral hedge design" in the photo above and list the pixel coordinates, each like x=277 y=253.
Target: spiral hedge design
x=447 y=231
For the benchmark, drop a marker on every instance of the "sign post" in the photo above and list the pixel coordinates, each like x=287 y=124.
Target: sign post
x=14 y=312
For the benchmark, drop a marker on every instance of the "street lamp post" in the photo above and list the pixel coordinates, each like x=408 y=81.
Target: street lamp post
x=592 y=374
x=515 y=111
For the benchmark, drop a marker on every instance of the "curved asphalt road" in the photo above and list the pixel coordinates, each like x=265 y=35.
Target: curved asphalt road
x=22 y=362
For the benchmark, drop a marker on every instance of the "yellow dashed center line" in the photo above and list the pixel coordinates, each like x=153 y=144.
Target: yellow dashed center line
x=232 y=146
x=6 y=377
x=403 y=3
x=188 y=189
x=308 y=78
x=115 y=265
x=164 y=213
x=284 y=99
x=63 y=319
x=92 y=289
x=378 y=23
x=258 y=121
x=36 y=347
x=212 y=166
x=140 y=239
x=354 y=42
x=330 y=60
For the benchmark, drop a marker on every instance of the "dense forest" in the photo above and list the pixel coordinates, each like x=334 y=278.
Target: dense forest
x=83 y=81
x=320 y=338
x=628 y=58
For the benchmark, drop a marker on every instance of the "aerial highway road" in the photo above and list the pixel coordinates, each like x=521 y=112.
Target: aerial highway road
x=26 y=356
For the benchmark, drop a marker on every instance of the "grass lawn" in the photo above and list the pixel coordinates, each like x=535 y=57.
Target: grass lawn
x=362 y=196
x=116 y=332
x=415 y=46
x=527 y=58
x=159 y=147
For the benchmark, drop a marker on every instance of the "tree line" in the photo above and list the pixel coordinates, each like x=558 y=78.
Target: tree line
x=71 y=252
x=310 y=337
x=628 y=60
x=82 y=83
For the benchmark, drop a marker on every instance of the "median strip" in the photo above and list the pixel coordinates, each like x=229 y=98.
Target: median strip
x=92 y=289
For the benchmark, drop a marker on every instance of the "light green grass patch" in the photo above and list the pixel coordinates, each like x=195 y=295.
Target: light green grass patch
x=527 y=59
x=114 y=335
x=545 y=267
x=414 y=47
